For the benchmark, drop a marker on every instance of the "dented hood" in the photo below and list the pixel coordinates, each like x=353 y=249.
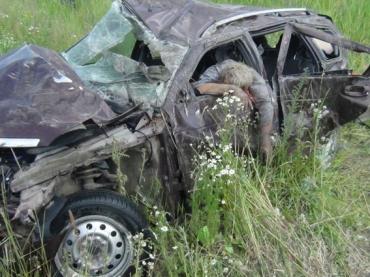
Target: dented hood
x=41 y=97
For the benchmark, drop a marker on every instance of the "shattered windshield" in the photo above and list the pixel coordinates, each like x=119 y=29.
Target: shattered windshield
x=124 y=62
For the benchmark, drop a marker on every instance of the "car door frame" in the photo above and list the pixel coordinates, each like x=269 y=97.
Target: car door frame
x=181 y=91
x=315 y=87
x=182 y=98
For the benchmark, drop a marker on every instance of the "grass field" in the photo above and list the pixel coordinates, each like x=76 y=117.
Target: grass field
x=290 y=218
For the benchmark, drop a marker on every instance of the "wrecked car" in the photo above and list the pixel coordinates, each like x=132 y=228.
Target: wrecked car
x=118 y=111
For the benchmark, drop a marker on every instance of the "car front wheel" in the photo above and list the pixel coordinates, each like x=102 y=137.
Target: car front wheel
x=97 y=227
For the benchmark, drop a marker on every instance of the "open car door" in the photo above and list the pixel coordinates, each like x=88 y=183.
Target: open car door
x=303 y=80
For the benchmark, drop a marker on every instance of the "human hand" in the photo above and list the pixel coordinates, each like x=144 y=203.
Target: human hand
x=250 y=95
x=246 y=98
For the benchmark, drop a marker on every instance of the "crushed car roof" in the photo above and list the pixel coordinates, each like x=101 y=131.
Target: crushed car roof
x=188 y=20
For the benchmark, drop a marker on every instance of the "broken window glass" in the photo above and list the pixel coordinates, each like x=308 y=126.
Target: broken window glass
x=122 y=80
x=107 y=33
x=102 y=60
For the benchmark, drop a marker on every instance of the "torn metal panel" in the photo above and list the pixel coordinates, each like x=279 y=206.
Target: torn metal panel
x=96 y=149
x=39 y=182
x=330 y=90
x=333 y=39
x=354 y=101
x=37 y=87
x=299 y=90
x=34 y=197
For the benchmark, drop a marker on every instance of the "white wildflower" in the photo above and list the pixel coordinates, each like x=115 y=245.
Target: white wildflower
x=324 y=113
x=223 y=172
x=277 y=211
x=231 y=172
x=164 y=229
x=227 y=148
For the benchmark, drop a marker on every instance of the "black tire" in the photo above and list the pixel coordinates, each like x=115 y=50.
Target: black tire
x=99 y=204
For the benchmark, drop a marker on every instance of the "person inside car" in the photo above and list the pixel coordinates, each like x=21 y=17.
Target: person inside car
x=247 y=84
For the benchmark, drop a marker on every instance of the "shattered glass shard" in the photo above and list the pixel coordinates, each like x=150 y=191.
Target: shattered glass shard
x=108 y=32
x=61 y=78
x=99 y=62
x=121 y=79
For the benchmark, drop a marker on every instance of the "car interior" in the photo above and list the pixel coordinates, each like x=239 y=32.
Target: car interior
x=300 y=58
x=232 y=50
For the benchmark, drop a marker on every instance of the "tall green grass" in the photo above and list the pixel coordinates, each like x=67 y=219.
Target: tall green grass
x=291 y=217
x=351 y=17
x=49 y=23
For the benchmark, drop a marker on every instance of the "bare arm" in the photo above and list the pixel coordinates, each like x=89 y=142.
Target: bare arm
x=222 y=89
x=216 y=89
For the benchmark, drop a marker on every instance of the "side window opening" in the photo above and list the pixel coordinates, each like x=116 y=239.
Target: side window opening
x=300 y=58
x=327 y=50
x=232 y=50
x=268 y=46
